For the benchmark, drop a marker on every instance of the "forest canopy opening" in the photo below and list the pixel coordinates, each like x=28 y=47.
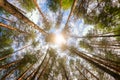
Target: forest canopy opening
x=59 y=39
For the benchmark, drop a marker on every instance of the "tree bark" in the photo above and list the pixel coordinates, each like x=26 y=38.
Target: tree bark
x=12 y=28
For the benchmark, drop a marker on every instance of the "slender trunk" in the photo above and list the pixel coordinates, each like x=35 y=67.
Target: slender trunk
x=72 y=8
x=2 y=58
x=100 y=64
x=23 y=48
x=45 y=21
x=108 y=33
x=105 y=47
x=12 y=28
x=108 y=61
x=51 y=66
x=7 y=19
x=12 y=10
x=39 y=67
x=9 y=64
x=22 y=76
x=60 y=15
x=60 y=3
x=96 y=36
x=43 y=71
x=30 y=76
x=81 y=73
x=9 y=73
x=102 y=45
x=59 y=19
x=89 y=72
x=38 y=7
x=65 y=72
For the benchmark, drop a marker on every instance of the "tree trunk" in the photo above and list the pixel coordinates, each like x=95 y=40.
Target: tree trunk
x=2 y=58
x=89 y=72
x=65 y=72
x=96 y=36
x=30 y=76
x=9 y=64
x=59 y=19
x=43 y=71
x=12 y=28
x=12 y=10
x=35 y=2
x=9 y=73
x=51 y=66
x=72 y=8
x=100 y=64
x=108 y=61
x=38 y=69
x=7 y=19
x=81 y=73
x=45 y=21
x=22 y=76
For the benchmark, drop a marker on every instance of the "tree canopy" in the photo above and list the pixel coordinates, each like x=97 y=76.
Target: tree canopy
x=59 y=39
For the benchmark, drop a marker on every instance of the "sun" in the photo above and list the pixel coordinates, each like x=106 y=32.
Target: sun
x=59 y=39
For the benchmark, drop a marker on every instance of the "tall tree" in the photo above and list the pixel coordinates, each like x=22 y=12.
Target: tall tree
x=12 y=10
x=100 y=64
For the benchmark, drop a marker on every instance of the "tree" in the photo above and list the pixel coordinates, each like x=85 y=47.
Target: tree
x=81 y=73
x=66 y=24
x=12 y=10
x=35 y=74
x=98 y=63
x=27 y=4
x=34 y=44
x=11 y=28
x=95 y=55
x=45 y=21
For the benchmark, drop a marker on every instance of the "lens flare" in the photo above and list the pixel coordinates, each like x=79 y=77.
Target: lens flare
x=59 y=39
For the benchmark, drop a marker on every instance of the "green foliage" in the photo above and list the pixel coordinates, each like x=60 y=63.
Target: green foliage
x=5 y=42
x=31 y=36
x=117 y=32
x=6 y=51
x=2 y=11
x=86 y=45
x=66 y=4
x=53 y=5
x=27 y=4
x=113 y=57
x=29 y=58
x=52 y=52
